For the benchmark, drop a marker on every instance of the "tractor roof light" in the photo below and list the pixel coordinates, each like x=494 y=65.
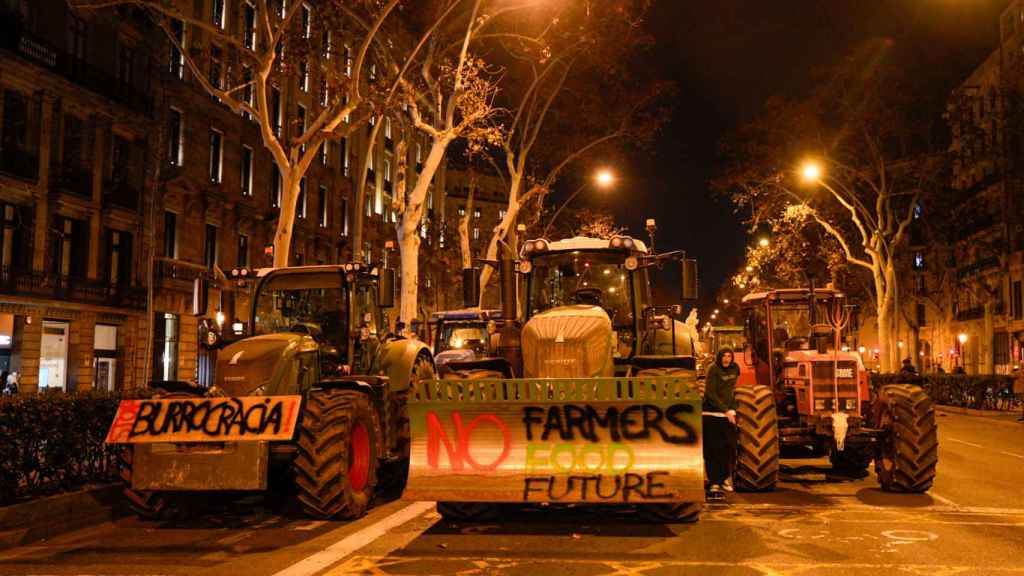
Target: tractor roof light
x=525 y=267
x=632 y=263
x=537 y=245
x=621 y=242
x=348 y=267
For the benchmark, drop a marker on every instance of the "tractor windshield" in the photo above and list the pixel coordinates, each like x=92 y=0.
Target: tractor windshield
x=467 y=336
x=583 y=277
x=791 y=324
x=310 y=303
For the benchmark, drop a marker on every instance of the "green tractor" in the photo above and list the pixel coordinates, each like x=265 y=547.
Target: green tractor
x=311 y=402
x=588 y=397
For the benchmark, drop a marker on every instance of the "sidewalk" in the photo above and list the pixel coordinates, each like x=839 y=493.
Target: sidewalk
x=1009 y=417
x=47 y=517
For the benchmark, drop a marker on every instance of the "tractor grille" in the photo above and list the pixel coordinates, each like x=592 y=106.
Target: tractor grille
x=823 y=371
x=824 y=392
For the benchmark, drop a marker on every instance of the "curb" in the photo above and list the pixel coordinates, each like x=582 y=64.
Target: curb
x=47 y=517
x=975 y=411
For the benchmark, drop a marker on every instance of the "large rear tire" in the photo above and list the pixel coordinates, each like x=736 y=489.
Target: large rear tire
x=470 y=511
x=338 y=452
x=757 y=462
x=676 y=513
x=395 y=474
x=147 y=504
x=908 y=453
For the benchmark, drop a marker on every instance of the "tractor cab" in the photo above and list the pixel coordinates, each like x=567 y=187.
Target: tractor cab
x=794 y=346
x=464 y=335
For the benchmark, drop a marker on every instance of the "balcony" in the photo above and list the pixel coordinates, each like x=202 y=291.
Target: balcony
x=121 y=194
x=977 y=268
x=19 y=163
x=74 y=180
x=80 y=290
x=38 y=51
x=976 y=313
x=173 y=269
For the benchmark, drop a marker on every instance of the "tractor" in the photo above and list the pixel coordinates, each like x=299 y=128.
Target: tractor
x=311 y=402
x=581 y=400
x=801 y=390
x=463 y=335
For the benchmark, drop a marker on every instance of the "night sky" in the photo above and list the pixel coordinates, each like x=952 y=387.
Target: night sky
x=728 y=57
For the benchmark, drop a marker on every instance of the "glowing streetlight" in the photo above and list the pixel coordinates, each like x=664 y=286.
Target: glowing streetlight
x=750 y=268
x=811 y=171
x=604 y=178
x=725 y=301
x=862 y=349
x=763 y=242
x=962 y=338
x=716 y=310
x=220 y=318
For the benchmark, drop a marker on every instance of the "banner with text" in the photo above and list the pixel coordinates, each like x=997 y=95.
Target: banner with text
x=247 y=418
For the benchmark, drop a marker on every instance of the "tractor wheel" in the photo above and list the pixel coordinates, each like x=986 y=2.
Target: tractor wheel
x=338 y=451
x=757 y=462
x=908 y=453
x=470 y=511
x=147 y=504
x=676 y=513
x=394 y=476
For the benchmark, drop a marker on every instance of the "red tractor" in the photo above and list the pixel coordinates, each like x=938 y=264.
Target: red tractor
x=799 y=389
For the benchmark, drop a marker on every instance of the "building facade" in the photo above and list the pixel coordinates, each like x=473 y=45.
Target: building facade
x=122 y=181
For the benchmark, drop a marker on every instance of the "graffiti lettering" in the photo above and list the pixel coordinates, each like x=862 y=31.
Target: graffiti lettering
x=572 y=422
x=460 y=453
x=628 y=487
x=205 y=419
x=562 y=458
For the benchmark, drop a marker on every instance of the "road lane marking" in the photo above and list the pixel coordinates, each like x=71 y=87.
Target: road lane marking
x=310 y=526
x=964 y=442
x=342 y=548
x=936 y=496
x=1021 y=456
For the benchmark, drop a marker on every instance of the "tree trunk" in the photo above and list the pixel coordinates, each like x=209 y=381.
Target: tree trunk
x=501 y=231
x=408 y=238
x=467 y=251
x=286 y=218
x=359 y=218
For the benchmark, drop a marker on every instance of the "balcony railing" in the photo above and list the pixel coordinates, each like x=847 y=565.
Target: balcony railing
x=173 y=269
x=121 y=193
x=977 y=267
x=15 y=38
x=19 y=163
x=976 y=313
x=58 y=287
x=75 y=181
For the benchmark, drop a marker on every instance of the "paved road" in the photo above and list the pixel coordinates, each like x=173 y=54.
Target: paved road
x=971 y=523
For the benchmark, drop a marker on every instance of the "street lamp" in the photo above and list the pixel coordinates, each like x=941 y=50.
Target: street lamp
x=962 y=339
x=763 y=242
x=811 y=171
x=603 y=178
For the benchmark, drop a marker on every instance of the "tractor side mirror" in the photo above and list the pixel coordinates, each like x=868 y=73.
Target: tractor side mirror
x=386 y=290
x=689 y=279
x=470 y=287
x=200 y=296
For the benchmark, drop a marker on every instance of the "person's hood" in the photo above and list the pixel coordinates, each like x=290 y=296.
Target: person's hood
x=718 y=358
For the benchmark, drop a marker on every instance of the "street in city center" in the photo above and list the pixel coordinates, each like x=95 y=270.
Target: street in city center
x=971 y=522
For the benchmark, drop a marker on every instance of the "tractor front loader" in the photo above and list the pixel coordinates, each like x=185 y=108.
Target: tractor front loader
x=311 y=402
x=589 y=398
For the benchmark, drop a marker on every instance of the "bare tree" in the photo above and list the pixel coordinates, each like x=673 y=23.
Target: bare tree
x=281 y=46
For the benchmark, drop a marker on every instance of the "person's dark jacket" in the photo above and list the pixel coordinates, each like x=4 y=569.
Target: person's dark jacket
x=720 y=385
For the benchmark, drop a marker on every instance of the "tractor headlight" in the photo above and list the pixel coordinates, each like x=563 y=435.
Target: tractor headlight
x=851 y=403
x=819 y=404
x=525 y=266
x=632 y=263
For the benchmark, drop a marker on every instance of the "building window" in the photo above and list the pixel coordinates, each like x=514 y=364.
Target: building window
x=218 y=13
x=476 y=213
x=306 y=17
x=176 y=66
x=210 y=246
x=275 y=110
x=387 y=128
x=387 y=171
x=248 y=94
x=275 y=186
x=922 y=316
x=216 y=155
x=325 y=45
x=301 y=121
x=165 y=346
x=476 y=233
x=322 y=205
x=348 y=61
x=462 y=211
x=344 y=156
x=77 y=40
x=249 y=25
x=119 y=257
x=1017 y=300
x=325 y=152
x=368 y=201
x=71 y=248
x=125 y=65
x=367 y=252
x=304 y=76
x=246 y=171
x=243 y=251
x=501 y=214
x=344 y=216
x=282 y=9
x=324 y=93
x=175 y=137
x=300 y=203
x=216 y=67
x=170 y=235
x=918 y=261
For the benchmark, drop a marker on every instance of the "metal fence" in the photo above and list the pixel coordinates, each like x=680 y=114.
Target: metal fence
x=983 y=392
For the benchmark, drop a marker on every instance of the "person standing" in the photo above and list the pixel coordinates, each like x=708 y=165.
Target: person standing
x=719 y=421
